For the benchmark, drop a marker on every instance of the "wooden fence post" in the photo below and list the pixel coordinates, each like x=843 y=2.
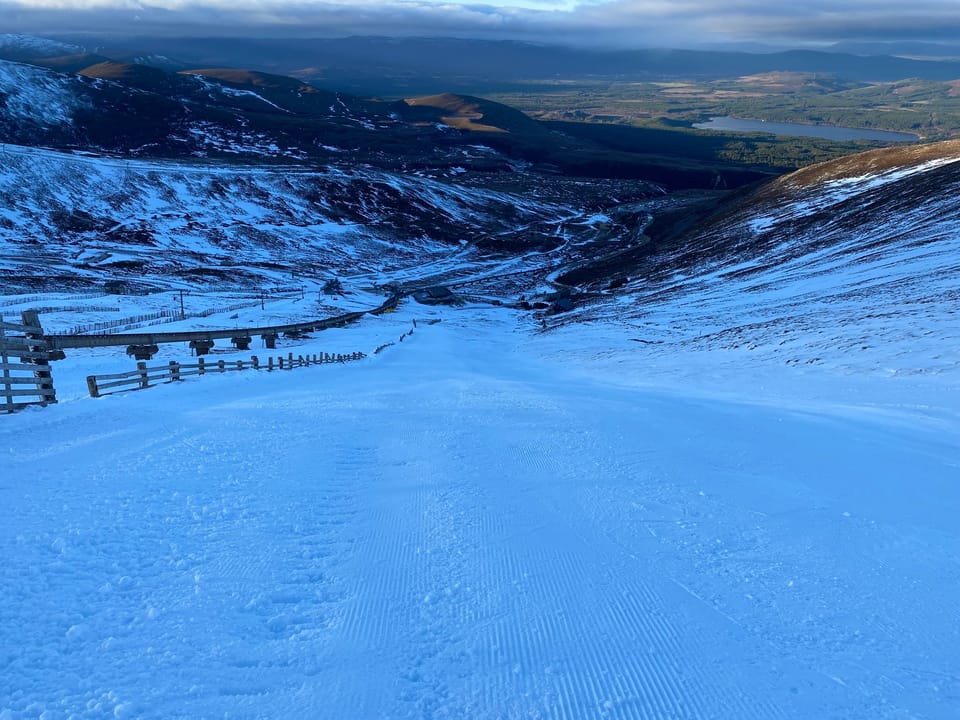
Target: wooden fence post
x=239 y=364
x=92 y=386
x=221 y=366
x=31 y=320
x=270 y=364
x=256 y=362
x=290 y=361
x=201 y=369
x=8 y=386
x=174 y=370
x=144 y=379
x=280 y=362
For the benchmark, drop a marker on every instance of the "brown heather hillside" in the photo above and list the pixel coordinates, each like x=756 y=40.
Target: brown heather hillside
x=716 y=229
x=866 y=163
x=69 y=63
x=253 y=78
x=464 y=112
x=807 y=183
x=139 y=76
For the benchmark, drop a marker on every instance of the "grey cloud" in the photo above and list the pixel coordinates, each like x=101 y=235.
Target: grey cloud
x=277 y=18
x=806 y=21
x=620 y=22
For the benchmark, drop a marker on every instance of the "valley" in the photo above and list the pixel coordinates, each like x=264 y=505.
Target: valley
x=126 y=186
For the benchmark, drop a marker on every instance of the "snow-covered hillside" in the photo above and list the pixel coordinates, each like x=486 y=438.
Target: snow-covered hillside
x=83 y=220
x=854 y=265
x=34 y=96
x=31 y=46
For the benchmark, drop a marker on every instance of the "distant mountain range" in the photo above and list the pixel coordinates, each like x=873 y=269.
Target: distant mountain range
x=402 y=66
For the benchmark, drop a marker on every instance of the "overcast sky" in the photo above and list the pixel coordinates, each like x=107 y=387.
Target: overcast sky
x=661 y=23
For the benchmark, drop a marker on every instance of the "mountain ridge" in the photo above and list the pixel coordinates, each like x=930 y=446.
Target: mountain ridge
x=140 y=111
x=405 y=66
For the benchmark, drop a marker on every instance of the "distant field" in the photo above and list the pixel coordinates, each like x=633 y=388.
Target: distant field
x=927 y=108
x=656 y=118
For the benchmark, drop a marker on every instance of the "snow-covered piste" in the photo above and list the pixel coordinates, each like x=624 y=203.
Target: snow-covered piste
x=483 y=521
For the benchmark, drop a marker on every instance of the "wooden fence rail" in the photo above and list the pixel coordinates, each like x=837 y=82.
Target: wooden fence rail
x=174 y=371
x=25 y=377
x=64 y=342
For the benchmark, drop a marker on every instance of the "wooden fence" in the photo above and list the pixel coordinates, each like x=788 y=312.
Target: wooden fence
x=64 y=342
x=159 y=317
x=174 y=371
x=25 y=377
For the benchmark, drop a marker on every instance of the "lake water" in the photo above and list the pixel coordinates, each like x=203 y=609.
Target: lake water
x=830 y=132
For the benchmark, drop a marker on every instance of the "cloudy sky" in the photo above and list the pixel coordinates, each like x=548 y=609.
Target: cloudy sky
x=676 y=23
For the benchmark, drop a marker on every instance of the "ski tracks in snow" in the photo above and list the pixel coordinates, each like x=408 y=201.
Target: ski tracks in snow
x=480 y=595
x=197 y=572
x=420 y=535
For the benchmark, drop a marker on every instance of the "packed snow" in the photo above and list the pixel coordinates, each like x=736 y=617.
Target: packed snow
x=482 y=521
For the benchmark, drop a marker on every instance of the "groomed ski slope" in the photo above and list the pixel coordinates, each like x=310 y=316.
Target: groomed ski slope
x=483 y=522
